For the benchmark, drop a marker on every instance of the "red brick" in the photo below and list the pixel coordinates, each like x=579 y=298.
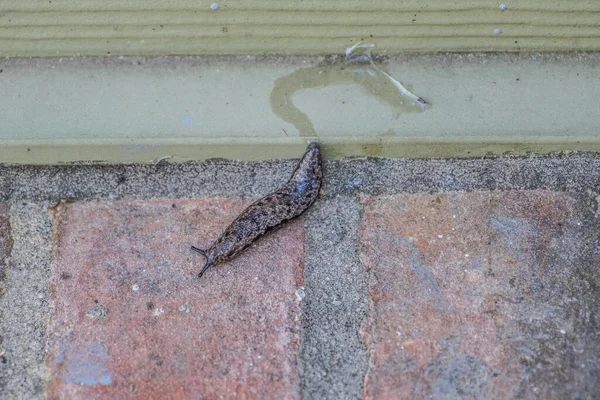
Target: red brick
x=131 y=319
x=448 y=275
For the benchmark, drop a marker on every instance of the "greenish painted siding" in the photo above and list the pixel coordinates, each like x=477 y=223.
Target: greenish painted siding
x=35 y=28
x=141 y=109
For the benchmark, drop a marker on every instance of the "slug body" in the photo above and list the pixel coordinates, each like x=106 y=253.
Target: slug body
x=266 y=214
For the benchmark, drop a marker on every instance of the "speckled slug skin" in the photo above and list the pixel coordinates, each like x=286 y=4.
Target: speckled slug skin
x=266 y=214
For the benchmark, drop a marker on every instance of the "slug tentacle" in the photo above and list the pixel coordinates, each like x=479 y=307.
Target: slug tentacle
x=268 y=213
x=206 y=266
x=209 y=261
x=203 y=252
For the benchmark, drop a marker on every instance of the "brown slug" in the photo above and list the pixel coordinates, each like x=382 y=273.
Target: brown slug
x=266 y=214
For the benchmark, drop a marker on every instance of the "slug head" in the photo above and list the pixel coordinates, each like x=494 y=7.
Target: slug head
x=209 y=260
x=310 y=166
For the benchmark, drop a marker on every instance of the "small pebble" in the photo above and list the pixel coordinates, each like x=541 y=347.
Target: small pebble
x=215 y=6
x=300 y=294
x=98 y=312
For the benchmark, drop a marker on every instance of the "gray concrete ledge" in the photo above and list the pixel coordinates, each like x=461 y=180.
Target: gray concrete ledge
x=561 y=171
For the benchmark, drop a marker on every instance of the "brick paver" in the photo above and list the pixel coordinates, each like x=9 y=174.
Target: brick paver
x=478 y=294
x=131 y=319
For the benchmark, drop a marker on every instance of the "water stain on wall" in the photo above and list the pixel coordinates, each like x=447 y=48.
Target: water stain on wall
x=356 y=67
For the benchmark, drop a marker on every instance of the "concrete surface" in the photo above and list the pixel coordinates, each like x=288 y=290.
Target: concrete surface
x=25 y=306
x=333 y=358
x=520 y=322
x=258 y=108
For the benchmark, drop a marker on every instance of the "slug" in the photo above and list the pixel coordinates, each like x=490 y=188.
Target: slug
x=266 y=214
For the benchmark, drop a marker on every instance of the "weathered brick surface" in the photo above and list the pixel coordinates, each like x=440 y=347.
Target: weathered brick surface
x=131 y=319
x=482 y=295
